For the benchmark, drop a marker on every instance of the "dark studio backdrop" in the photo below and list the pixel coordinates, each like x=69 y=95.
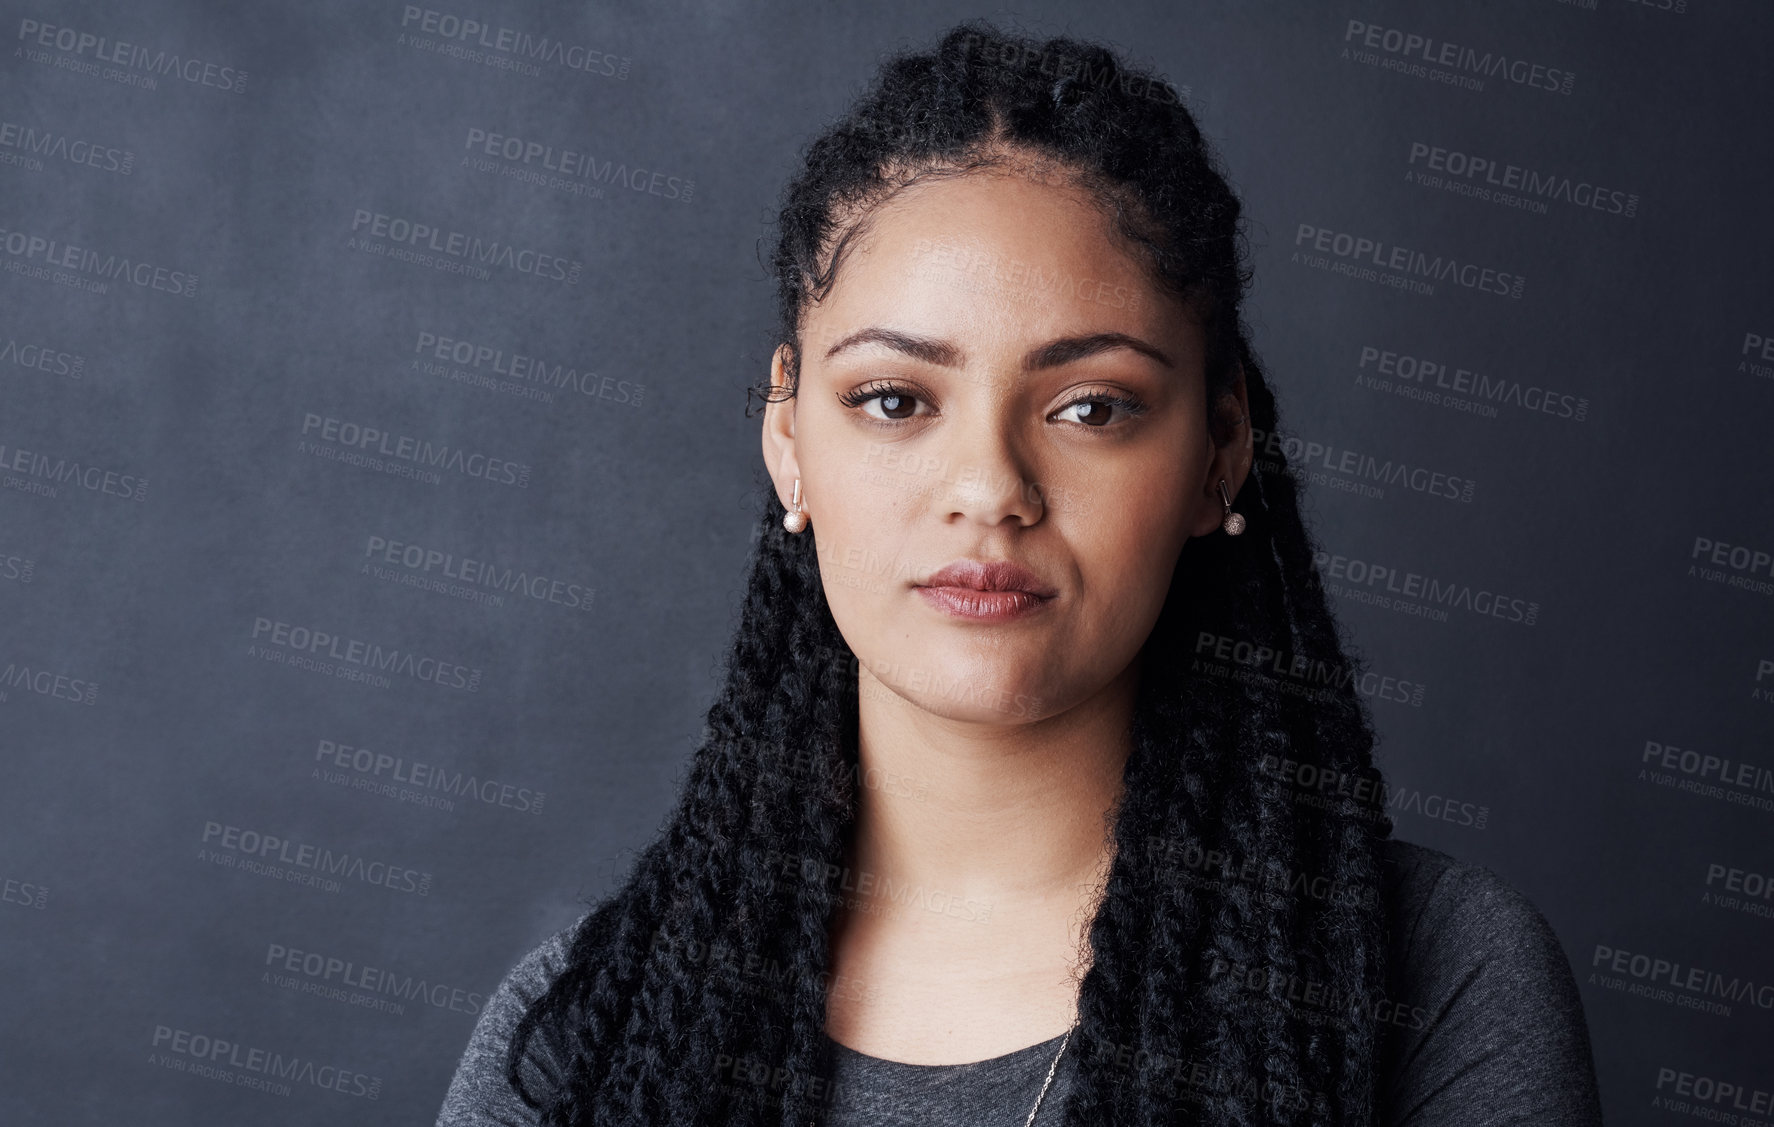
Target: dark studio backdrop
x=375 y=489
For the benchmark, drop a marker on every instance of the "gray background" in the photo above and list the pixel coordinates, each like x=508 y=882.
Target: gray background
x=129 y=925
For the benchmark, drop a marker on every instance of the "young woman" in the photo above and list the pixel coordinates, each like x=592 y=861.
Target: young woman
x=995 y=820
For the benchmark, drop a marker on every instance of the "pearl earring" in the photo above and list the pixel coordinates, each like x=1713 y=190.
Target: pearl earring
x=1232 y=522
x=796 y=518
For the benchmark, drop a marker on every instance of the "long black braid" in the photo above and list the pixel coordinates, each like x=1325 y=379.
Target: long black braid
x=697 y=992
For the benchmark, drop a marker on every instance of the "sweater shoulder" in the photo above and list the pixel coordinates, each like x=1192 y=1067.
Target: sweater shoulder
x=481 y=1092
x=1438 y=903
x=1483 y=1021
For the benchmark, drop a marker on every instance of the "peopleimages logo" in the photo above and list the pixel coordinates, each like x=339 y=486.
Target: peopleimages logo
x=1374 y=260
x=454 y=35
x=421 y=564
x=74 y=48
x=970 y=269
x=408 y=456
x=221 y=1058
x=1707 y=775
x=1210 y=866
x=1757 y=346
x=29 y=143
x=420 y=242
x=1355 y=471
x=520 y=156
x=874 y=893
x=1087 y=70
x=1750 y=561
x=1497 y=181
x=1314 y=1000
x=22 y=569
x=1691 y=1086
x=1741 y=889
x=300 y=863
x=425 y=781
x=492 y=367
x=1666 y=980
x=1410 y=592
x=1424 y=56
x=1734 y=565
x=1298 y=670
x=357 y=659
x=23 y=677
x=38 y=473
x=1320 y=786
x=48 y=259
x=1449 y=385
x=359 y=984
x=40 y=357
x=24 y=893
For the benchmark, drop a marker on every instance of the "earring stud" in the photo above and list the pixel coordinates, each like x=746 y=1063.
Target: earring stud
x=1232 y=522
x=796 y=518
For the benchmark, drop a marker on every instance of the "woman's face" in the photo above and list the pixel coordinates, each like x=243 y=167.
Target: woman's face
x=992 y=378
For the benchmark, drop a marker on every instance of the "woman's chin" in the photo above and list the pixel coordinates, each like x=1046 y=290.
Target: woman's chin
x=964 y=694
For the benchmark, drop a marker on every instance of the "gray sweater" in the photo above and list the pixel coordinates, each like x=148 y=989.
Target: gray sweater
x=1483 y=1027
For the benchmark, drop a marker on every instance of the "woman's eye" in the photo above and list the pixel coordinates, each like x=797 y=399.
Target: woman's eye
x=883 y=401
x=1094 y=412
x=887 y=403
x=894 y=405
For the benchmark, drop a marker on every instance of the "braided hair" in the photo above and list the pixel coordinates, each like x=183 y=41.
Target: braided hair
x=696 y=993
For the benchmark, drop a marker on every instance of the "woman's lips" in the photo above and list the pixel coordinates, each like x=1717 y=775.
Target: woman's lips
x=982 y=606
x=994 y=591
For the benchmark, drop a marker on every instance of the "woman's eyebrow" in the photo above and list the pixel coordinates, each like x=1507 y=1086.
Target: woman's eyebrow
x=927 y=349
x=1067 y=349
x=1053 y=354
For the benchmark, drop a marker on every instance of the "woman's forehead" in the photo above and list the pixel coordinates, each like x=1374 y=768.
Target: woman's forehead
x=995 y=252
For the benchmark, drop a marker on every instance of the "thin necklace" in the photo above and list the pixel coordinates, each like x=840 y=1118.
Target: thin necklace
x=1030 y=1121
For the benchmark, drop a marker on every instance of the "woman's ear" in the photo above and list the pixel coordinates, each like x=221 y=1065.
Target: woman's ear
x=779 y=429
x=1229 y=453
